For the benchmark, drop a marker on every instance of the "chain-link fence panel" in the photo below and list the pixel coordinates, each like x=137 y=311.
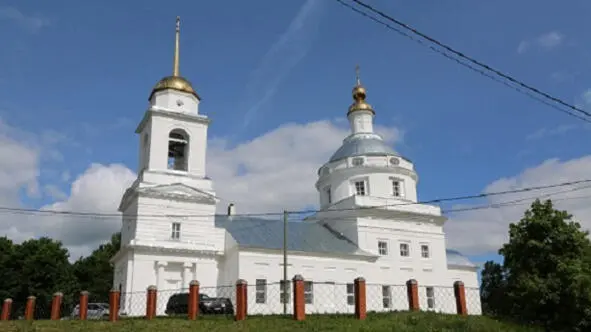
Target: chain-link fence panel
x=473 y=304
x=384 y=297
x=437 y=298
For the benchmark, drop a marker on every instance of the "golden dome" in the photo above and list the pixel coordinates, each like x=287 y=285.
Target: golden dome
x=359 y=93
x=175 y=81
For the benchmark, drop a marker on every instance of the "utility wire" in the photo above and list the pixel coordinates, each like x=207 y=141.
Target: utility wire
x=521 y=201
x=483 y=69
x=277 y=214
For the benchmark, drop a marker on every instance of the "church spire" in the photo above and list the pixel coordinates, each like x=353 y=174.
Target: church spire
x=359 y=95
x=175 y=81
x=177 y=42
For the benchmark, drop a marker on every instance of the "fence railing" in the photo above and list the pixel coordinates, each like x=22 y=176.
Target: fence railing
x=297 y=298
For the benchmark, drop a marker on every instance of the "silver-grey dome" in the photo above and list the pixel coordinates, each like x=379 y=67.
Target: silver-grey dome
x=364 y=146
x=454 y=257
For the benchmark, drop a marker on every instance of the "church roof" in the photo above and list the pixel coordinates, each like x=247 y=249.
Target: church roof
x=362 y=146
x=302 y=236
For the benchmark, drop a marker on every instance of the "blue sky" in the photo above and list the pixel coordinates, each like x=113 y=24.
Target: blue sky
x=81 y=73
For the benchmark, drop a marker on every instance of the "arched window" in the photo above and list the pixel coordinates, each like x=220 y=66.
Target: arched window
x=178 y=150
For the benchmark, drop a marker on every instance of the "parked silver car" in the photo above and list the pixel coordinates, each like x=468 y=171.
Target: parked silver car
x=95 y=311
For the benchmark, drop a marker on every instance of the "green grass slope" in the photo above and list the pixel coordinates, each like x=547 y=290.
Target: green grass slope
x=399 y=322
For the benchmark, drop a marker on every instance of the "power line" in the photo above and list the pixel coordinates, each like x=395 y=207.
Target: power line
x=432 y=201
x=521 y=201
x=482 y=67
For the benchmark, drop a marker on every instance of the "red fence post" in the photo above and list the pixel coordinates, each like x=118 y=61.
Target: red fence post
x=241 y=302
x=152 y=293
x=114 y=305
x=30 y=308
x=412 y=288
x=83 y=305
x=6 y=309
x=193 y=300
x=56 y=306
x=460 y=293
x=299 y=301
x=360 y=299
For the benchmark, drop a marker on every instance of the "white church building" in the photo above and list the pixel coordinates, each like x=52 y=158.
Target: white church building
x=369 y=223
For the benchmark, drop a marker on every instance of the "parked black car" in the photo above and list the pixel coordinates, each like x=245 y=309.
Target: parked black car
x=179 y=304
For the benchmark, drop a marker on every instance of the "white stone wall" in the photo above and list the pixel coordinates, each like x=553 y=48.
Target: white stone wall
x=378 y=173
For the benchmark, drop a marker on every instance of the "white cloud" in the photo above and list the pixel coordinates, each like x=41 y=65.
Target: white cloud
x=278 y=170
x=586 y=96
x=291 y=47
x=97 y=190
x=546 y=41
x=19 y=166
x=549 y=132
x=289 y=155
x=550 y=40
x=484 y=231
x=33 y=23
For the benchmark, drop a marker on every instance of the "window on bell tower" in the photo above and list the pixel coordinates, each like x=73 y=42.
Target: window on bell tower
x=178 y=150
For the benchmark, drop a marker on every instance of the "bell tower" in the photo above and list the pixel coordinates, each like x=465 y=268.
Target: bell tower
x=172 y=133
x=171 y=168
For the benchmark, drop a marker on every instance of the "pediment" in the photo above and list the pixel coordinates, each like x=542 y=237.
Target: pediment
x=178 y=191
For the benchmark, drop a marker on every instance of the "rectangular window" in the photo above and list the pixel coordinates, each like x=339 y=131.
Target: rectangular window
x=430 y=297
x=360 y=188
x=285 y=290
x=396 y=188
x=383 y=248
x=350 y=294
x=404 y=250
x=261 y=291
x=386 y=297
x=424 y=251
x=308 y=292
x=176 y=231
x=328 y=195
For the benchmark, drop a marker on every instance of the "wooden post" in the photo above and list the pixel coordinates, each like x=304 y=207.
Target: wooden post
x=30 y=308
x=152 y=293
x=460 y=293
x=299 y=302
x=56 y=306
x=241 y=302
x=360 y=299
x=114 y=305
x=6 y=309
x=412 y=287
x=83 y=306
x=193 y=300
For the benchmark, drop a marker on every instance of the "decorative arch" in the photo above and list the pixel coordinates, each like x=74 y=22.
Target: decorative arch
x=178 y=150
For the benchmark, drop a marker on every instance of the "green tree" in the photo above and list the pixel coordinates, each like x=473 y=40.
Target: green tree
x=547 y=266
x=492 y=289
x=43 y=270
x=95 y=272
x=8 y=269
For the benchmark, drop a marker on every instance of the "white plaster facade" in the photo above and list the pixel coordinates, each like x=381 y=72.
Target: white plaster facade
x=170 y=234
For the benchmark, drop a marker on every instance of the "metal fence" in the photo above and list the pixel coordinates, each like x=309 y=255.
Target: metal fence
x=261 y=299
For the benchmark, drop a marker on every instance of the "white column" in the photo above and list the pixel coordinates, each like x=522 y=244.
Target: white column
x=187 y=274
x=160 y=274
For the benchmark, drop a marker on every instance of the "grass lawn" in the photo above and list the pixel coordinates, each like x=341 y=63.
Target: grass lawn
x=399 y=322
